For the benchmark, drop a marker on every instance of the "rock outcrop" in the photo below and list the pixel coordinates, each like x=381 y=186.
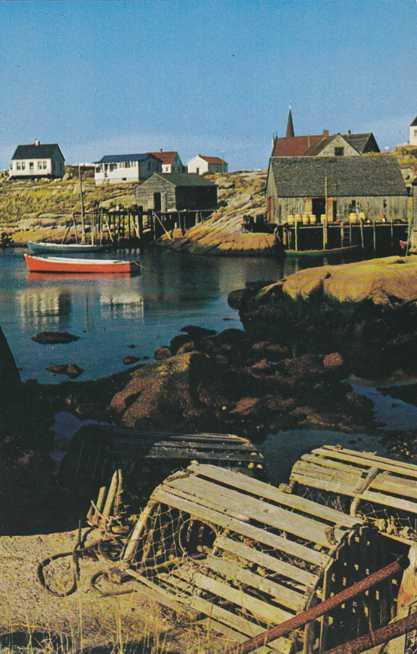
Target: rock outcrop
x=240 y=194
x=231 y=383
x=365 y=310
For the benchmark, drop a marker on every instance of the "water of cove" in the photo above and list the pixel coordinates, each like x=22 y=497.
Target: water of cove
x=110 y=313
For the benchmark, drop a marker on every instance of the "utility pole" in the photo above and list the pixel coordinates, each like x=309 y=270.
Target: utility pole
x=325 y=230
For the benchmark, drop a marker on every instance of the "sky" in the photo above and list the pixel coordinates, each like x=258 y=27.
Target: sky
x=203 y=76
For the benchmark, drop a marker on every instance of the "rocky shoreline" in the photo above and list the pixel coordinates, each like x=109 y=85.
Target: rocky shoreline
x=288 y=368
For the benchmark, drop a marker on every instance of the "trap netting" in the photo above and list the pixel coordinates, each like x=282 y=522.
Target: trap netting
x=382 y=490
x=249 y=556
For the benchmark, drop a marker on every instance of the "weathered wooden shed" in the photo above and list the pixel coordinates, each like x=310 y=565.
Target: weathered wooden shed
x=246 y=556
x=382 y=490
x=336 y=186
x=177 y=192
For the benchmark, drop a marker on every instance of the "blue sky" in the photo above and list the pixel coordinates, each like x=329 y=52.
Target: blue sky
x=210 y=76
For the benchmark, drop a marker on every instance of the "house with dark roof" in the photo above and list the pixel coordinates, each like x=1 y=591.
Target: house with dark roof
x=204 y=163
x=324 y=144
x=177 y=192
x=170 y=161
x=413 y=132
x=37 y=160
x=121 y=168
x=335 y=186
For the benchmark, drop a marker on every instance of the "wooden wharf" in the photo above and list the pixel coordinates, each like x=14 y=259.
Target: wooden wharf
x=130 y=226
x=375 y=236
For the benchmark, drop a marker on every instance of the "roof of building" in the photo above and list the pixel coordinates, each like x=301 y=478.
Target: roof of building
x=295 y=146
x=115 y=158
x=346 y=176
x=165 y=156
x=212 y=160
x=183 y=179
x=312 y=144
x=414 y=123
x=34 y=151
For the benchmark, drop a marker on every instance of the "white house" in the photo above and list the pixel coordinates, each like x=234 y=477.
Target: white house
x=203 y=163
x=119 y=168
x=413 y=132
x=170 y=160
x=37 y=160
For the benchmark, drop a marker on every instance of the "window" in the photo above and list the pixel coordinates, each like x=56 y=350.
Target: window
x=23 y=165
x=30 y=165
x=18 y=165
x=339 y=152
x=415 y=132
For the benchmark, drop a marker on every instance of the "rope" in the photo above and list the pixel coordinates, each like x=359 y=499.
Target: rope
x=97 y=548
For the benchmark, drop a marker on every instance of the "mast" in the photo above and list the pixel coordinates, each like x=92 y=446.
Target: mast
x=82 y=205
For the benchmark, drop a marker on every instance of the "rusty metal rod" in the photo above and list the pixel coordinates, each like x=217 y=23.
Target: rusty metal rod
x=378 y=637
x=327 y=605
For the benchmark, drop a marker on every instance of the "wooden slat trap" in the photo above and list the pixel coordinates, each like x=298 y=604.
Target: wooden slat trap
x=361 y=483
x=146 y=458
x=247 y=556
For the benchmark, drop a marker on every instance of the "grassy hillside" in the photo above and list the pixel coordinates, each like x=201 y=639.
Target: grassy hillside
x=37 y=209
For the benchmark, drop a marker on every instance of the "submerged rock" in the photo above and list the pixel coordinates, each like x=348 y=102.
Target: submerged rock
x=70 y=369
x=129 y=359
x=47 y=338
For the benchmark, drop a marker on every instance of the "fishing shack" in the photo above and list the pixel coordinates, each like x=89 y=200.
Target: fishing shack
x=332 y=202
x=174 y=192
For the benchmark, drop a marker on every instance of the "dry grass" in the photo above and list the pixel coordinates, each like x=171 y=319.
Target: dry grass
x=38 y=207
x=32 y=621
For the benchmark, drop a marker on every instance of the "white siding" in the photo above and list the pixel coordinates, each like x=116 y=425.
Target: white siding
x=125 y=171
x=198 y=165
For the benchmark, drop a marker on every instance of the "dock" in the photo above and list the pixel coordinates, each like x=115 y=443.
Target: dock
x=376 y=236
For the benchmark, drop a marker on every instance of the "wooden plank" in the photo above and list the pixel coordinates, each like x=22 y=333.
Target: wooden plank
x=266 y=491
x=387 y=500
x=268 y=613
x=234 y=523
x=304 y=577
x=232 y=635
x=330 y=465
x=177 y=454
x=287 y=597
x=232 y=501
x=197 y=603
x=390 y=484
x=369 y=456
x=327 y=486
x=407 y=469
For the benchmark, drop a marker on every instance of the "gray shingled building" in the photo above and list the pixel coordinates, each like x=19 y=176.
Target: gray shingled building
x=177 y=192
x=303 y=185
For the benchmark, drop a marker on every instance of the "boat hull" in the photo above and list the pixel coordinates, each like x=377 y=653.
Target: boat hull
x=65 y=248
x=331 y=252
x=90 y=266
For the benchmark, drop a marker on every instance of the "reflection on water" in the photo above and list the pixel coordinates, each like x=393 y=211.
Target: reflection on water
x=111 y=312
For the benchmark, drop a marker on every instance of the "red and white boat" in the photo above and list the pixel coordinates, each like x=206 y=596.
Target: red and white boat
x=67 y=265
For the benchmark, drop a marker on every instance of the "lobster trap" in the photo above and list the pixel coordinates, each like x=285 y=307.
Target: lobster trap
x=246 y=555
x=146 y=458
x=382 y=490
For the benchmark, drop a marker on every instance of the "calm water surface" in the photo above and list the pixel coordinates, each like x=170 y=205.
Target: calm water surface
x=110 y=313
